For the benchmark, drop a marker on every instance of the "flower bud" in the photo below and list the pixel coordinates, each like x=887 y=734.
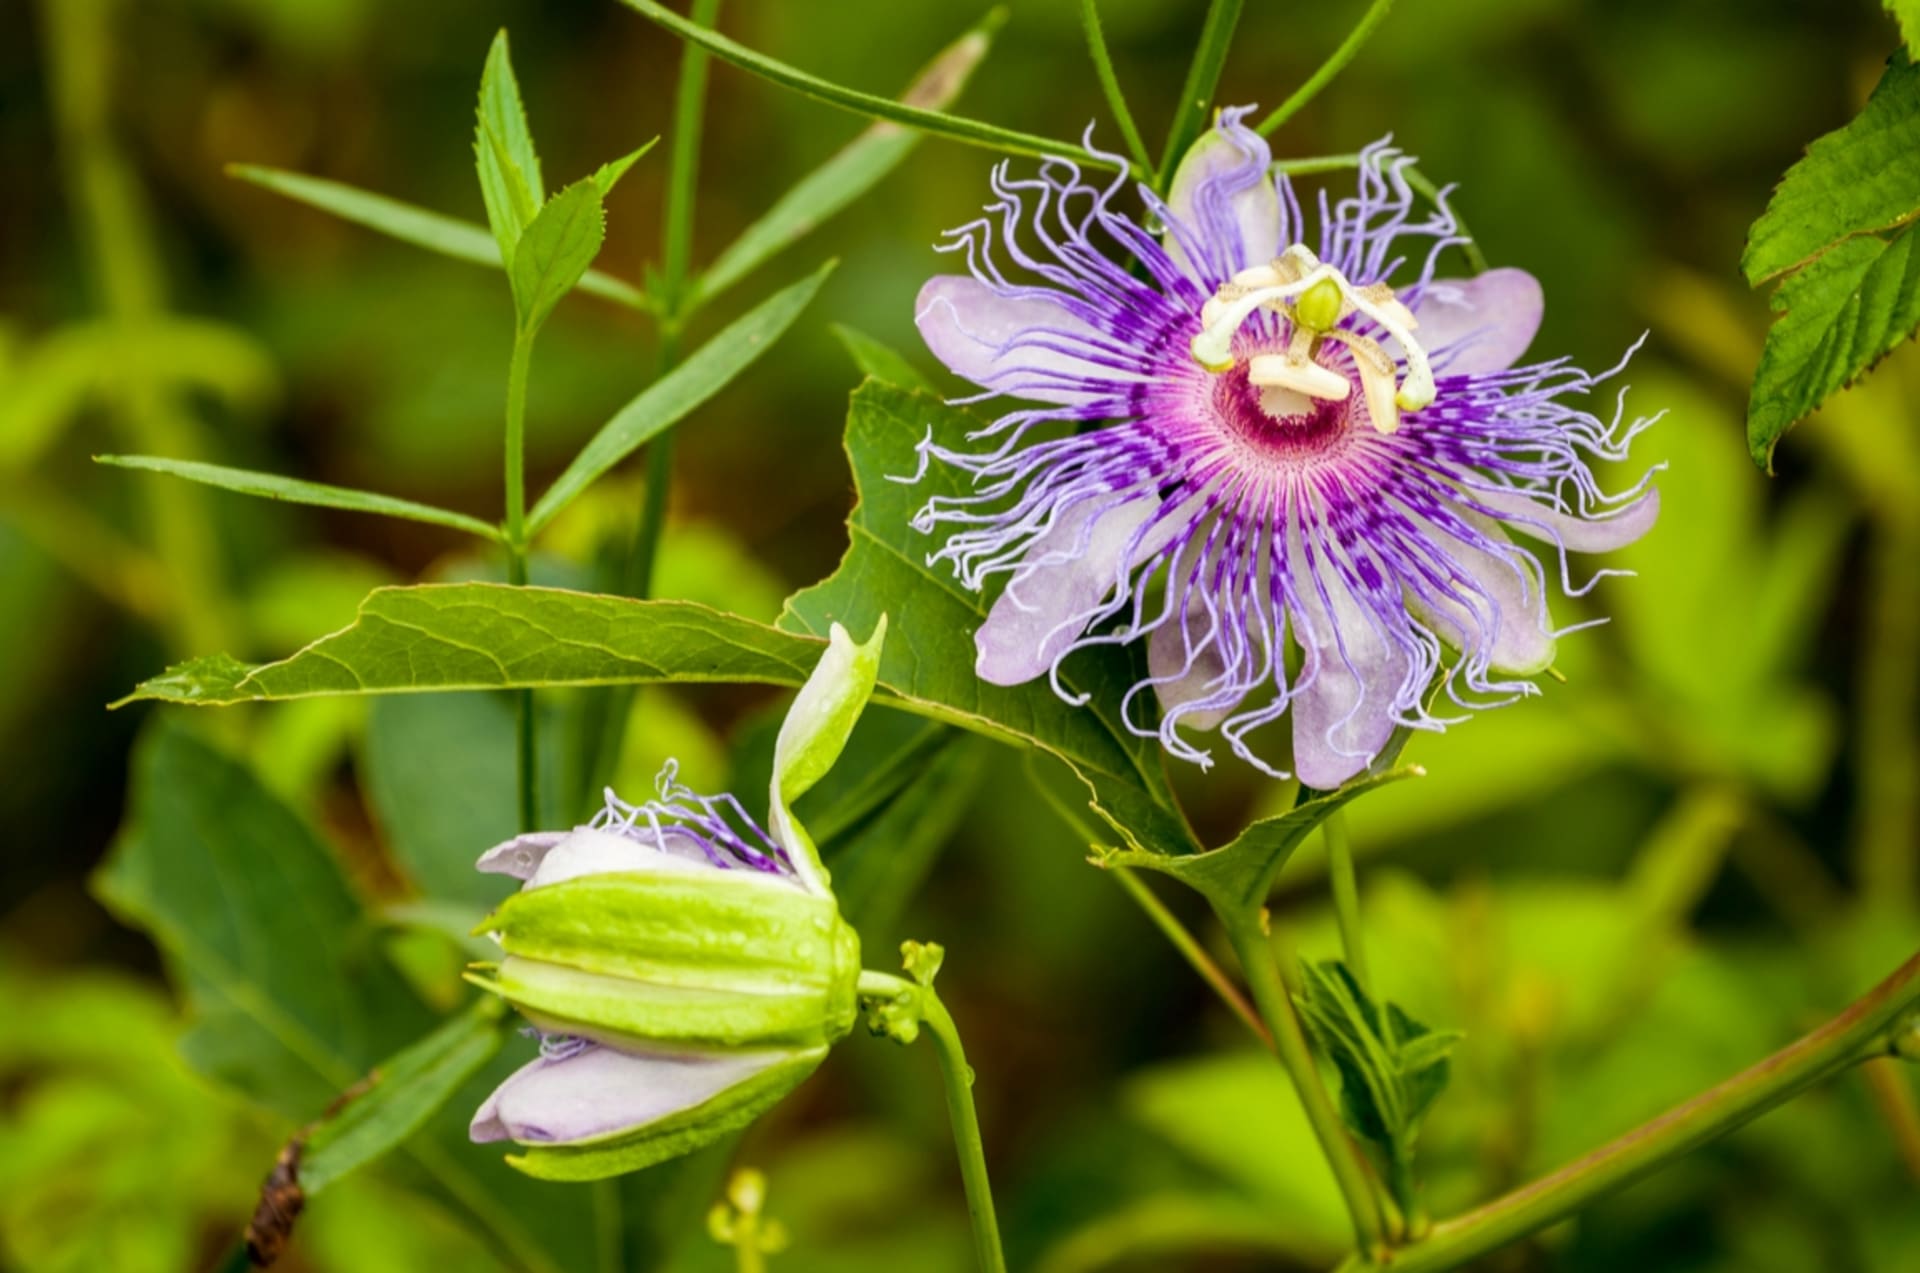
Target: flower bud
x=685 y=968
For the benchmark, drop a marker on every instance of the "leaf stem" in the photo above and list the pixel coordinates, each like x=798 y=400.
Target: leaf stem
x=1860 y=1033
x=1249 y=938
x=1110 y=85
x=527 y=754
x=1350 y=47
x=1203 y=77
x=1346 y=898
x=953 y=127
x=1192 y=951
x=958 y=1078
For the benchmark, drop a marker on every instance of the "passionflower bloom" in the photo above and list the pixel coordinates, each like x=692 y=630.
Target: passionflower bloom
x=1293 y=469
x=684 y=967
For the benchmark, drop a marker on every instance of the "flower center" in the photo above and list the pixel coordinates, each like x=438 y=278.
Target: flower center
x=1315 y=298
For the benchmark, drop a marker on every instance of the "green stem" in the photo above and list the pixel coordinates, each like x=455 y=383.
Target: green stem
x=1860 y=1033
x=1369 y=22
x=683 y=167
x=527 y=753
x=1250 y=944
x=958 y=1078
x=1110 y=85
x=1203 y=77
x=609 y=1232
x=1346 y=898
x=1888 y=744
x=1192 y=951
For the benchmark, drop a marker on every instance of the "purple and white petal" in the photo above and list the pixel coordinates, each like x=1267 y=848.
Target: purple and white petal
x=1026 y=346
x=521 y=856
x=594 y=1091
x=1477 y=326
x=1223 y=203
x=1601 y=534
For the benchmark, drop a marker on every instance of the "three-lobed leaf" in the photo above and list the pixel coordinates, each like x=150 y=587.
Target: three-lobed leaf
x=1392 y=1068
x=1837 y=233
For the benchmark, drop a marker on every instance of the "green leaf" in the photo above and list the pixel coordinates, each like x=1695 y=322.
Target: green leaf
x=1838 y=234
x=970 y=131
x=406 y=1091
x=1839 y=316
x=680 y=391
x=251 y=911
x=851 y=172
x=294 y=491
x=1392 y=1068
x=930 y=656
x=1861 y=179
x=503 y=152
x=608 y=175
x=555 y=249
x=1907 y=14
x=1239 y=875
x=436 y=232
x=878 y=360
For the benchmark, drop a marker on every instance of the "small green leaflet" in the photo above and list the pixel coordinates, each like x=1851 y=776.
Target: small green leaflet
x=852 y=171
x=1392 y=1068
x=1837 y=237
x=555 y=250
x=503 y=152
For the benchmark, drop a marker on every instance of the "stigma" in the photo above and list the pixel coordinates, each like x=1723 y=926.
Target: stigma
x=1315 y=298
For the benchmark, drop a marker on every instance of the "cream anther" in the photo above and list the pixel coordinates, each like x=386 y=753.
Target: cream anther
x=1314 y=297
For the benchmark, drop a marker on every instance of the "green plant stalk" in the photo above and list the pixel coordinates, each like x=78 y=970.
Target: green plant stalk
x=958 y=1079
x=936 y=123
x=1203 y=77
x=1346 y=898
x=1110 y=85
x=1863 y=1031
x=1889 y=746
x=1349 y=48
x=1192 y=951
x=526 y=749
x=1250 y=944
x=609 y=1232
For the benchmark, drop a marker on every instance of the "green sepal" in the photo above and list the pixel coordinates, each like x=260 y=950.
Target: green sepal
x=642 y=1015
x=735 y=931
x=677 y=1134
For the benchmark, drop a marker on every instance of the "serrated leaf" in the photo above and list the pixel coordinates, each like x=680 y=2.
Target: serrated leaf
x=663 y=403
x=608 y=175
x=1239 y=875
x=407 y=1090
x=504 y=156
x=555 y=249
x=434 y=231
x=930 y=655
x=295 y=491
x=851 y=172
x=1838 y=229
x=1392 y=1068
x=1839 y=316
x=1863 y=178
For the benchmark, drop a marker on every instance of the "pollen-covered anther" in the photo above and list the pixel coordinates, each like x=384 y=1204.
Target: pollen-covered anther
x=1315 y=298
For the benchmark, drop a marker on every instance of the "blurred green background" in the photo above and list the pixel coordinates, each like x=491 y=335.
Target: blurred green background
x=1621 y=891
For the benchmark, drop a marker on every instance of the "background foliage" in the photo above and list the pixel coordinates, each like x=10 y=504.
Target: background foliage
x=1618 y=893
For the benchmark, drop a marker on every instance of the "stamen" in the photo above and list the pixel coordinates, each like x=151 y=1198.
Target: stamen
x=1314 y=298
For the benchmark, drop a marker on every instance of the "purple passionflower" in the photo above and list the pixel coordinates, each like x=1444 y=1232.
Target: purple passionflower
x=681 y=973
x=1292 y=470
